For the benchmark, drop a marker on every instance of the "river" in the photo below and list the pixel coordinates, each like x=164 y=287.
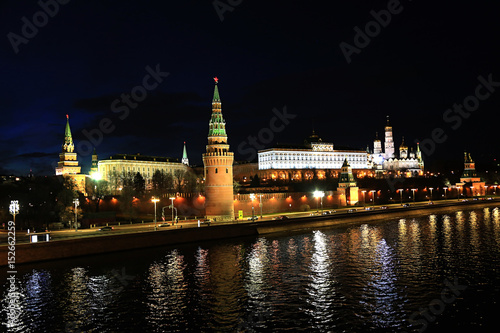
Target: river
x=432 y=273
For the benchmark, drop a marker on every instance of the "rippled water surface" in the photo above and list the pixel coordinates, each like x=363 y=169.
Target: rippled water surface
x=432 y=273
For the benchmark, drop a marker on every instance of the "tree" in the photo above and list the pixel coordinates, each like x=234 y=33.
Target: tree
x=97 y=189
x=139 y=185
x=65 y=198
x=179 y=176
x=162 y=183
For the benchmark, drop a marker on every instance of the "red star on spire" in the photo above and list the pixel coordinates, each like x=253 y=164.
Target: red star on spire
x=67 y=116
x=216 y=80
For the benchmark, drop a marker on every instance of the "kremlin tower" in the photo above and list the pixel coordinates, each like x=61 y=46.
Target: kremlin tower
x=389 y=143
x=68 y=163
x=218 y=167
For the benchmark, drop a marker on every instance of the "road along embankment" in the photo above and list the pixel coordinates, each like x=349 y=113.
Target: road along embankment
x=63 y=249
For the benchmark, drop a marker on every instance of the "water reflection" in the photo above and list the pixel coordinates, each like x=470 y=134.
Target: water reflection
x=320 y=289
x=166 y=292
x=370 y=277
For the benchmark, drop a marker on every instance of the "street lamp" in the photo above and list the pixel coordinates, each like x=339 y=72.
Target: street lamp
x=260 y=205
x=319 y=195
x=486 y=189
x=401 y=195
x=77 y=203
x=414 y=189
x=252 y=197
x=172 y=200
x=155 y=200
x=364 y=198
x=495 y=187
x=373 y=196
x=14 y=209
x=445 y=188
x=431 y=188
x=458 y=193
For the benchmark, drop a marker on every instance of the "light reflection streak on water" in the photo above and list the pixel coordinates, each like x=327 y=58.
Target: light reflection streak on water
x=474 y=232
x=495 y=217
x=167 y=292
x=77 y=310
x=321 y=289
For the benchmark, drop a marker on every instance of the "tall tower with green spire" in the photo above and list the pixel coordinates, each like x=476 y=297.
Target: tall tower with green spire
x=347 y=188
x=68 y=163
x=185 y=159
x=218 y=166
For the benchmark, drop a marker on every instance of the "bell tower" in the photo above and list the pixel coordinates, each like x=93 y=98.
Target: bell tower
x=218 y=167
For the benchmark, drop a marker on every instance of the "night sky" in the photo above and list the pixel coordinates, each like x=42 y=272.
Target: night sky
x=268 y=56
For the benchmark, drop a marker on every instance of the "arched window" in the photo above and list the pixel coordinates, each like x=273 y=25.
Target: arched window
x=216 y=170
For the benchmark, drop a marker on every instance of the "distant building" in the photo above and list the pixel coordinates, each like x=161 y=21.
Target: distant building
x=409 y=163
x=469 y=178
x=314 y=159
x=68 y=162
x=137 y=163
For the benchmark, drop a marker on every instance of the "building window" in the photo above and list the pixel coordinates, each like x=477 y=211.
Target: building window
x=216 y=170
x=227 y=170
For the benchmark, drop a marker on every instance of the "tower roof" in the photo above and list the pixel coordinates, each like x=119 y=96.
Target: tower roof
x=403 y=143
x=184 y=151
x=216 y=91
x=217 y=125
x=68 y=145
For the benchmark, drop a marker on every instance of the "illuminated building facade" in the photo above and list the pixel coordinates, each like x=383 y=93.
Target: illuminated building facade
x=470 y=178
x=314 y=160
x=218 y=167
x=409 y=163
x=137 y=163
x=68 y=162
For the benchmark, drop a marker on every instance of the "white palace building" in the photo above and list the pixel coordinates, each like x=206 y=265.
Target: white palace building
x=318 y=159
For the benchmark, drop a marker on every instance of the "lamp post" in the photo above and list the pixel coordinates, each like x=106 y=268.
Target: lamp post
x=373 y=196
x=431 y=188
x=485 y=189
x=471 y=191
x=319 y=196
x=172 y=200
x=445 y=188
x=155 y=200
x=14 y=209
x=458 y=193
x=495 y=187
x=414 y=189
x=77 y=203
x=401 y=195
x=364 y=198
x=252 y=197
x=260 y=205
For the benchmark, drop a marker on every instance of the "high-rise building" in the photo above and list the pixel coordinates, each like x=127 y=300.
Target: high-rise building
x=218 y=166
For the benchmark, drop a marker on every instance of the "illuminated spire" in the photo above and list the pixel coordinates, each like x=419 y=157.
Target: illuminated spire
x=185 y=159
x=68 y=145
x=217 y=125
